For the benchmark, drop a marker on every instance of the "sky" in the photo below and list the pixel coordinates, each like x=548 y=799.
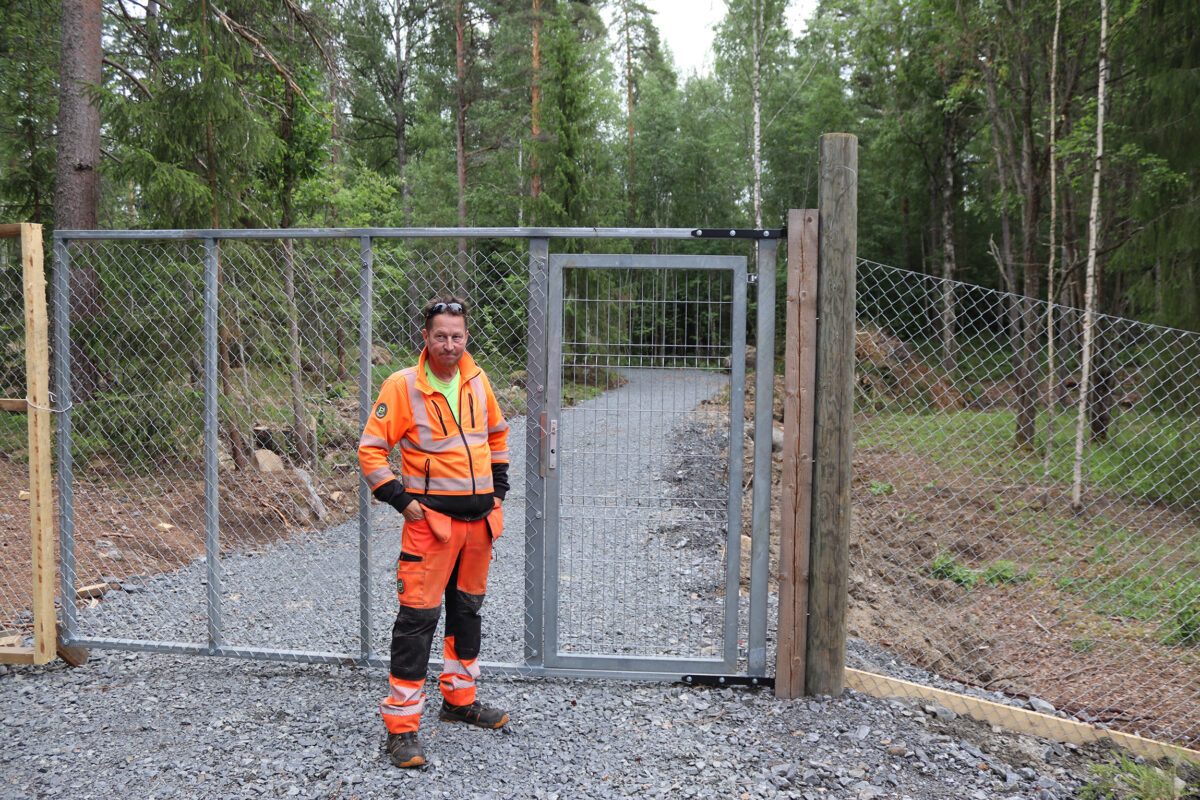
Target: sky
x=687 y=27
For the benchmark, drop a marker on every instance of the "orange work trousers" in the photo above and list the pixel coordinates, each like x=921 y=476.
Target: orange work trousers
x=428 y=571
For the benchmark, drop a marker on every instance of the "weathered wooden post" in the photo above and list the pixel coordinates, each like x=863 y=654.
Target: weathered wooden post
x=837 y=200
x=796 y=507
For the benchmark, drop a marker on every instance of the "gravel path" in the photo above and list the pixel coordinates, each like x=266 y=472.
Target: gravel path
x=154 y=725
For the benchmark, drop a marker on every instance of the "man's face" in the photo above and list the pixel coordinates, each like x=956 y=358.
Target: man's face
x=445 y=340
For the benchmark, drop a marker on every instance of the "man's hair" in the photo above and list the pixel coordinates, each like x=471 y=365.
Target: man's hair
x=447 y=304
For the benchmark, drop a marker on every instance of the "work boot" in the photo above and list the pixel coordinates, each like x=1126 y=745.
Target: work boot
x=474 y=713
x=404 y=750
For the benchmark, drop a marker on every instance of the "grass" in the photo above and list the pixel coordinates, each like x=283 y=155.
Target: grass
x=1116 y=570
x=1124 y=778
x=946 y=567
x=1156 y=459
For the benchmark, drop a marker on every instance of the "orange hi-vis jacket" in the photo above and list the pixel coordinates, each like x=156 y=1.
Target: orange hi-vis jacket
x=438 y=455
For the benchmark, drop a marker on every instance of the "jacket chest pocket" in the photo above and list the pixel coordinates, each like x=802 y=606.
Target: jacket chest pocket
x=472 y=414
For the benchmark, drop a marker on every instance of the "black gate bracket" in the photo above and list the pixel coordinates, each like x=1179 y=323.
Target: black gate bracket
x=728 y=680
x=739 y=233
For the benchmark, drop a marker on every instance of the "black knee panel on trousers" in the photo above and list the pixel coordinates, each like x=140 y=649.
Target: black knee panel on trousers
x=464 y=623
x=412 y=635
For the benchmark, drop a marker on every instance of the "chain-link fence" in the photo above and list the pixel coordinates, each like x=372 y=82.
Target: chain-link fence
x=968 y=557
x=16 y=597
x=214 y=389
x=285 y=403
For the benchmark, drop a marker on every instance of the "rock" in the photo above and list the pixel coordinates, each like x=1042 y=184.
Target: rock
x=897 y=750
x=336 y=497
x=1040 y=705
x=751 y=358
x=380 y=355
x=315 y=504
x=267 y=461
x=941 y=712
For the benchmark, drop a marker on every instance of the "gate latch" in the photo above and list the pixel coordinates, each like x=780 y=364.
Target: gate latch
x=552 y=454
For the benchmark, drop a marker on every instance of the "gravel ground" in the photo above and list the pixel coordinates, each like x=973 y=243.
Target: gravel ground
x=155 y=725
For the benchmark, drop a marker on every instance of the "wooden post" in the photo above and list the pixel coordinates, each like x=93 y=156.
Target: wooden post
x=799 y=372
x=41 y=502
x=36 y=404
x=837 y=200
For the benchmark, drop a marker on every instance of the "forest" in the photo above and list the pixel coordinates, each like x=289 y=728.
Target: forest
x=977 y=125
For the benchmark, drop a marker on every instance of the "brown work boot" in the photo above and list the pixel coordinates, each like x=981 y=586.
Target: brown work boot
x=404 y=750
x=474 y=713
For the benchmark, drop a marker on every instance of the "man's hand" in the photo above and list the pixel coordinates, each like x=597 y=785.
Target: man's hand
x=413 y=512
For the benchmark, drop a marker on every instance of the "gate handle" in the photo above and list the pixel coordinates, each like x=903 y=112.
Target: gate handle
x=552 y=455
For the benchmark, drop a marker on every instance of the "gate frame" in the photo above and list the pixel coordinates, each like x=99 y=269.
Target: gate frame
x=538 y=239
x=614 y=664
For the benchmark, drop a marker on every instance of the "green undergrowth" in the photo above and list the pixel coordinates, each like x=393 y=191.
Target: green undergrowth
x=1124 y=778
x=1155 y=459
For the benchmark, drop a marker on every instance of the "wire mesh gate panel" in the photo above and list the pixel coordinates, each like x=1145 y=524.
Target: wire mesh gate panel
x=213 y=385
x=643 y=490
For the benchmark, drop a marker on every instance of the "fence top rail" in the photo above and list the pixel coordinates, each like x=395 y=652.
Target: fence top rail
x=400 y=233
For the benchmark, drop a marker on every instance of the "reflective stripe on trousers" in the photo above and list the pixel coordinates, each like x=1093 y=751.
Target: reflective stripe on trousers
x=457 y=680
x=401 y=709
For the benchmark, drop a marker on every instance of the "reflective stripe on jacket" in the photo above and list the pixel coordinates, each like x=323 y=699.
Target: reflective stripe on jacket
x=437 y=454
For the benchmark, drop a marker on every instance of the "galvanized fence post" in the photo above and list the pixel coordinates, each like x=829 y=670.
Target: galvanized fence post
x=535 y=479
x=366 y=261
x=62 y=390
x=212 y=511
x=764 y=393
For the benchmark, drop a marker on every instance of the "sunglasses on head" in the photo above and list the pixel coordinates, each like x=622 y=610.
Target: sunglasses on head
x=442 y=308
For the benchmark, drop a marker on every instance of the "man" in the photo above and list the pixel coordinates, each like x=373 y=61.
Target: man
x=454 y=473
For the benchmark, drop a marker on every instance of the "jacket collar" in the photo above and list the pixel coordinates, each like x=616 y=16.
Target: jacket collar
x=466 y=367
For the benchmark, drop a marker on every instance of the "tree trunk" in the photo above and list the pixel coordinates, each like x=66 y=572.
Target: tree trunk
x=1027 y=384
x=77 y=182
x=1051 y=405
x=301 y=436
x=1093 y=272
x=535 y=188
x=629 y=107
x=399 y=104
x=1001 y=146
x=756 y=90
x=460 y=137
x=949 y=263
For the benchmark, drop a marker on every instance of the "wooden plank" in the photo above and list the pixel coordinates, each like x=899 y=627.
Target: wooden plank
x=10 y=230
x=75 y=656
x=798 y=375
x=14 y=404
x=1021 y=720
x=17 y=655
x=837 y=200
x=10 y=640
x=41 y=501
x=92 y=590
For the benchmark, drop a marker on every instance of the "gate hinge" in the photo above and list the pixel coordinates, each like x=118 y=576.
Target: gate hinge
x=751 y=278
x=739 y=233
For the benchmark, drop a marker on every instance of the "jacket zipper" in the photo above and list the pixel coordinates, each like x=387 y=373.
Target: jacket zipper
x=463 y=436
x=471 y=406
x=438 y=409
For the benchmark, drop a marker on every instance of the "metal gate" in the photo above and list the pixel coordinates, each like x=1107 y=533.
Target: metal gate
x=628 y=561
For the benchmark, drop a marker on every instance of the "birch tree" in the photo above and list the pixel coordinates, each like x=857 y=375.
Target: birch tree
x=1089 y=314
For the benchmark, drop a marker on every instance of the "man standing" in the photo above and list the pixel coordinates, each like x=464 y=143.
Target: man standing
x=454 y=473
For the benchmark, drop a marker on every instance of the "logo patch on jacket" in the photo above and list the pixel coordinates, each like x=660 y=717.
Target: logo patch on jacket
x=399 y=585
x=381 y=410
